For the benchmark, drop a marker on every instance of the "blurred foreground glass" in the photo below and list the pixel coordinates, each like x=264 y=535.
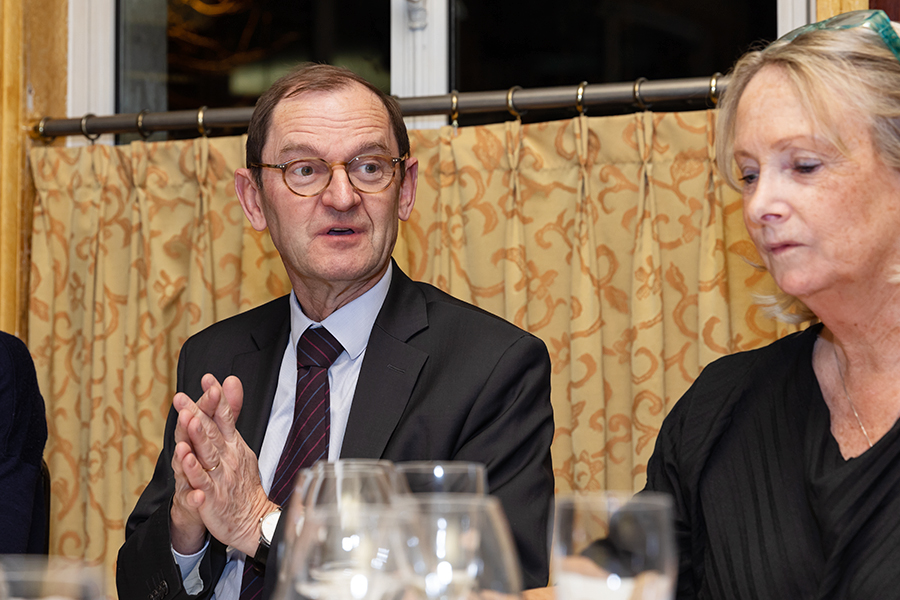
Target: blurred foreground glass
x=426 y=477
x=359 y=552
x=339 y=484
x=33 y=577
x=467 y=548
x=614 y=545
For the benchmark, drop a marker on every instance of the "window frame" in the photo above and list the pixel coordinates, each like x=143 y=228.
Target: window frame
x=419 y=54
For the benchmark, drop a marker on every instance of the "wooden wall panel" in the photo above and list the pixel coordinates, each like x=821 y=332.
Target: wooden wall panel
x=830 y=8
x=33 y=48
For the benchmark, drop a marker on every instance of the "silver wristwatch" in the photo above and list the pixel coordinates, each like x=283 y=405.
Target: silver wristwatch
x=267 y=526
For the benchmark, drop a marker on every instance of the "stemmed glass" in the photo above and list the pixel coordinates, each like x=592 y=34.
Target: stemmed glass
x=466 y=547
x=342 y=484
x=35 y=577
x=614 y=545
x=352 y=552
x=443 y=476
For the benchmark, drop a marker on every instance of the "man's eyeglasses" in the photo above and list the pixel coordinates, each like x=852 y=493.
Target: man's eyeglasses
x=876 y=20
x=368 y=173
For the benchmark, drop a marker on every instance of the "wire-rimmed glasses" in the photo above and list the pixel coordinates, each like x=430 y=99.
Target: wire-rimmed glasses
x=876 y=20
x=368 y=173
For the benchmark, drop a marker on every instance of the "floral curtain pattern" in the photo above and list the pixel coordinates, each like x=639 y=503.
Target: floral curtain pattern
x=611 y=238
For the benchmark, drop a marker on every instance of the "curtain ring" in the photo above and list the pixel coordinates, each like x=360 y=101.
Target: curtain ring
x=454 y=105
x=201 y=126
x=510 y=105
x=84 y=127
x=140 y=124
x=636 y=93
x=454 y=110
x=40 y=130
x=714 y=88
x=579 y=97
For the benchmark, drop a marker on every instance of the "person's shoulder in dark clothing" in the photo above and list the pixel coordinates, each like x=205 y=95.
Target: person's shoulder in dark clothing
x=23 y=434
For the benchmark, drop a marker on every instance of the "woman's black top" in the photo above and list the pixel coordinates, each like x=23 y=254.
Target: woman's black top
x=765 y=505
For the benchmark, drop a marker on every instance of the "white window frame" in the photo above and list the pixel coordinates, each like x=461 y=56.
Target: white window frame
x=91 y=87
x=795 y=13
x=420 y=53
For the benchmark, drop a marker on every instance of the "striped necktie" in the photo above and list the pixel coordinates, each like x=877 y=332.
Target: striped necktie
x=307 y=441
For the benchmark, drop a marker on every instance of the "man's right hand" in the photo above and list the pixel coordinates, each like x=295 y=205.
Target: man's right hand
x=221 y=470
x=188 y=532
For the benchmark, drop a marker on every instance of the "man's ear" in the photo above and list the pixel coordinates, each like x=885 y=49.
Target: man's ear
x=250 y=197
x=408 y=188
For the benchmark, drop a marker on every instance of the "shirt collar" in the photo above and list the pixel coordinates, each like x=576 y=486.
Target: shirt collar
x=352 y=323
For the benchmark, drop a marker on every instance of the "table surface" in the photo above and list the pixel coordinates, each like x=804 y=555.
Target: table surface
x=545 y=593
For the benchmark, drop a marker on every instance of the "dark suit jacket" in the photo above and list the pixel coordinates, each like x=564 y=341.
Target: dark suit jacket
x=441 y=380
x=23 y=433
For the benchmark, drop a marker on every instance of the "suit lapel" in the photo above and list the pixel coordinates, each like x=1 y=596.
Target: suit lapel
x=258 y=371
x=389 y=371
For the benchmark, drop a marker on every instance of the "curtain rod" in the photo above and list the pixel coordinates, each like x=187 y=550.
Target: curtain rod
x=641 y=94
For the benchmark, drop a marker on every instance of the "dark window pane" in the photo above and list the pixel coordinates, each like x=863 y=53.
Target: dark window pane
x=226 y=53
x=535 y=43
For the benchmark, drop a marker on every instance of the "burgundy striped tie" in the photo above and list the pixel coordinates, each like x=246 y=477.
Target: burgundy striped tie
x=307 y=441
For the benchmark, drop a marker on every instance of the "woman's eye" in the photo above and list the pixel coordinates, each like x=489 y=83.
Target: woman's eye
x=749 y=178
x=806 y=168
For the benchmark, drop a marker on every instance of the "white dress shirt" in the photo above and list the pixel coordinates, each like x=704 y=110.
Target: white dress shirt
x=351 y=325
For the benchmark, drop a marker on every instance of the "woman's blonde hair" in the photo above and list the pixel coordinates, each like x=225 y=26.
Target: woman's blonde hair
x=849 y=69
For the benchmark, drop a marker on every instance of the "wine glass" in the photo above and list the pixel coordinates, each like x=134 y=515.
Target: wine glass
x=466 y=547
x=614 y=545
x=351 y=552
x=36 y=577
x=341 y=483
x=443 y=476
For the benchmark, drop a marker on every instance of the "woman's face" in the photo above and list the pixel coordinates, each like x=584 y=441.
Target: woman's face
x=823 y=221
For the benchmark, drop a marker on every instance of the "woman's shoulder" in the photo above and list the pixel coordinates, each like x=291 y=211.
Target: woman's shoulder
x=738 y=370
x=705 y=410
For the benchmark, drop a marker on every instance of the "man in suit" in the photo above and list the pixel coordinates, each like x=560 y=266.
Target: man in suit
x=418 y=375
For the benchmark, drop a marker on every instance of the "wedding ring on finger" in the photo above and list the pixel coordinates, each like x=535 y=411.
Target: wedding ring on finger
x=214 y=468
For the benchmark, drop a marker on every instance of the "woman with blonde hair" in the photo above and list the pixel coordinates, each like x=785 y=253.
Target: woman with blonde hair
x=784 y=462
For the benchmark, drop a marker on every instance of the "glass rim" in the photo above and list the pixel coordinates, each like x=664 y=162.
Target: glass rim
x=350 y=464
x=454 y=465
x=619 y=497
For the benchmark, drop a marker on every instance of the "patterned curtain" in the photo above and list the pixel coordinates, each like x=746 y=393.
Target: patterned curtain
x=611 y=238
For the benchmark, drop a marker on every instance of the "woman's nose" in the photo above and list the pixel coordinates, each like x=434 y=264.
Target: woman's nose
x=765 y=201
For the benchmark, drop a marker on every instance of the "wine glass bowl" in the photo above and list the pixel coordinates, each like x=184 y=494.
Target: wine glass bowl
x=467 y=548
x=614 y=545
x=37 y=577
x=351 y=552
x=342 y=484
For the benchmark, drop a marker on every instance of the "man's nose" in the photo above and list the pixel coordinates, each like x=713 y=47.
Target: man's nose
x=340 y=193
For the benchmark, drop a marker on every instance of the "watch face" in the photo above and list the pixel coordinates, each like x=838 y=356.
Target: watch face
x=269 y=522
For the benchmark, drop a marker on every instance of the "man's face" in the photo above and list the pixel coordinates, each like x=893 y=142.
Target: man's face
x=342 y=238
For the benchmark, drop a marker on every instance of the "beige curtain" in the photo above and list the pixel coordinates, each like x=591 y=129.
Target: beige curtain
x=611 y=238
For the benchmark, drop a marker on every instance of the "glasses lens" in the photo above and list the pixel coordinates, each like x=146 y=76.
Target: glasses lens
x=370 y=173
x=307 y=176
